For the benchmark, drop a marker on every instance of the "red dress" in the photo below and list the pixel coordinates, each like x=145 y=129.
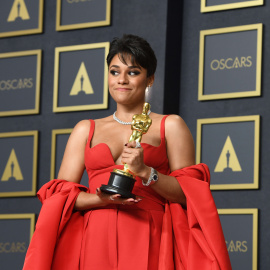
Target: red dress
x=122 y=237
x=153 y=234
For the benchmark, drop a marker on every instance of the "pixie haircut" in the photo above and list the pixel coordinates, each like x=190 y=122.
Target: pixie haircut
x=137 y=48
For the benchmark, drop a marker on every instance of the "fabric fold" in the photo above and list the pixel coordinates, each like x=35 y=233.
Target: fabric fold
x=199 y=242
x=51 y=235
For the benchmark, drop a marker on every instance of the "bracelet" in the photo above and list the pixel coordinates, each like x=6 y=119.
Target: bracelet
x=152 y=178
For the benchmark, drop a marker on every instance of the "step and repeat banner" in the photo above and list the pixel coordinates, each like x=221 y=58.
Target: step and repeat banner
x=230 y=66
x=230 y=63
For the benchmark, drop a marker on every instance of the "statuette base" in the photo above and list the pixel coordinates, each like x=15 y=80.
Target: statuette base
x=120 y=184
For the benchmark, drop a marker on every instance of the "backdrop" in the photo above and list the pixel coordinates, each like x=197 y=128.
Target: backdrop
x=173 y=29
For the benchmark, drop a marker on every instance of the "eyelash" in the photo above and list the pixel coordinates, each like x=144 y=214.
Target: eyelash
x=135 y=72
x=131 y=73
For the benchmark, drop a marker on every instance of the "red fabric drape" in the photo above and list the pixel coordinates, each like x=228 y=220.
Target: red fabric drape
x=53 y=239
x=194 y=233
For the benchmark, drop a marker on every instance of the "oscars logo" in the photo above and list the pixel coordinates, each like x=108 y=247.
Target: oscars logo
x=15 y=84
x=18 y=11
x=12 y=170
x=13 y=247
x=237 y=246
x=82 y=83
x=228 y=161
x=230 y=63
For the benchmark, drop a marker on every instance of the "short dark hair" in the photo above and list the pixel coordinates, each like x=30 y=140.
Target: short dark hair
x=137 y=48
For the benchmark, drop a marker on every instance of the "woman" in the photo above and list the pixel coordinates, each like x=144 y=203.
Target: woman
x=90 y=229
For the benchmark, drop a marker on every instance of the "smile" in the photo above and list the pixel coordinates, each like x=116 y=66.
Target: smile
x=123 y=89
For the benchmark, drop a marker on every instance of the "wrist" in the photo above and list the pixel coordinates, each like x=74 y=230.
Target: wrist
x=101 y=201
x=145 y=174
x=153 y=178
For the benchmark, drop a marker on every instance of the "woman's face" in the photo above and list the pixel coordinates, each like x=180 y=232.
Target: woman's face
x=127 y=83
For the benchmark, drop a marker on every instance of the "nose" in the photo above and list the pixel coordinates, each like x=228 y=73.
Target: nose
x=122 y=79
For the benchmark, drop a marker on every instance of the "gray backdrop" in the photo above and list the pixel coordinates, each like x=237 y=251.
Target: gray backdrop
x=172 y=28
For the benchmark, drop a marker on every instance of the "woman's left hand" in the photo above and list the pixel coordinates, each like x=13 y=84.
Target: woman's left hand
x=133 y=157
x=107 y=199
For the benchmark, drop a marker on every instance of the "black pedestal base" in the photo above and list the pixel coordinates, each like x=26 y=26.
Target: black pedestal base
x=119 y=184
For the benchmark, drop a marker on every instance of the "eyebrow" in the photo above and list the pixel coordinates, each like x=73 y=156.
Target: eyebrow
x=115 y=66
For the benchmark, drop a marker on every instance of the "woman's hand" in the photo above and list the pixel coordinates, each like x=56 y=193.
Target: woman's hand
x=133 y=157
x=115 y=198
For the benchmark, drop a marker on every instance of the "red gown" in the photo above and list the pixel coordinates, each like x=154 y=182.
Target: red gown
x=150 y=235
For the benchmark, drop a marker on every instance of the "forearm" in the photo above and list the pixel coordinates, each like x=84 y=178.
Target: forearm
x=87 y=201
x=166 y=186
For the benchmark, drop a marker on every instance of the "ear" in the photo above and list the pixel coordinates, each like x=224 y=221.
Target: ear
x=151 y=80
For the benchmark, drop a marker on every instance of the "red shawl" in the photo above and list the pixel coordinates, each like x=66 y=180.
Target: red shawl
x=192 y=239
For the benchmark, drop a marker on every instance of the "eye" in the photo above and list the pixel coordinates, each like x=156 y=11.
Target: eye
x=114 y=72
x=134 y=72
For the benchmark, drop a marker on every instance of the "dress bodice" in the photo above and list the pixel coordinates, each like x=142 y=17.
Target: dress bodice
x=99 y=161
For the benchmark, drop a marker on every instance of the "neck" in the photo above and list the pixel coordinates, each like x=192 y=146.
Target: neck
x=125 y=113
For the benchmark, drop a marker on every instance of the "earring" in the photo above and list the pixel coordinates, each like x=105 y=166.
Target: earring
x=147 y=92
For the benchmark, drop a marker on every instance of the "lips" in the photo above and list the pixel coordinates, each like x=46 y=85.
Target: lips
x=122 y=89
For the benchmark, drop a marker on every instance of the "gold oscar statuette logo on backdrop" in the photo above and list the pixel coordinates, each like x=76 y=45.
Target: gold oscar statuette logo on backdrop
x=18 y=11
x=12 y=170
x=228 y=160
x=82 y=83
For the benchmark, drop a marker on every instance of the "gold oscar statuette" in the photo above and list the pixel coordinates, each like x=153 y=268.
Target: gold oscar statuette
x=122 y=181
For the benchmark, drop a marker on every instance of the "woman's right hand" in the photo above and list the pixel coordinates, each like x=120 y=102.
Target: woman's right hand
x=115 y=198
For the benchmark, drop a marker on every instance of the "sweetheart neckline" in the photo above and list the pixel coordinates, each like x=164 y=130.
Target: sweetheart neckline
x=111 y=151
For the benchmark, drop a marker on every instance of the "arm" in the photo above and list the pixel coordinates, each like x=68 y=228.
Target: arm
x=72 y=166
x=181 y=153
x=72 y=169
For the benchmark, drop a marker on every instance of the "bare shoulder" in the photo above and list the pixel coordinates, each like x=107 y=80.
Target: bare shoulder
x=156 y=117
x=175 y=123
x=171 y=119
x=82 y=126
x=81 y=129
x=174 y=119
x=175 y=127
